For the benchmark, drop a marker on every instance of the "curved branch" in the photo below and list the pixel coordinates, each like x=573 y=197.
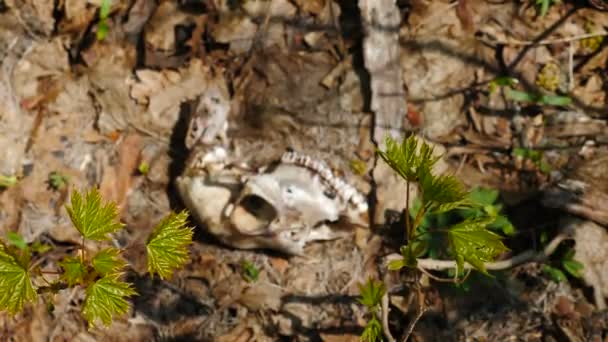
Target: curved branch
x=527 y=256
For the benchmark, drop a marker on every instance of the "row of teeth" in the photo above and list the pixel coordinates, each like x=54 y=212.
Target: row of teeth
x=346 y=191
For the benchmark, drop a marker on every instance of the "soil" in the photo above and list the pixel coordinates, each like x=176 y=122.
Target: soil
x=95 y=110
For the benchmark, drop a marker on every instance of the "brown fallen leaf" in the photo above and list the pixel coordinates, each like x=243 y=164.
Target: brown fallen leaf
x=118 y=180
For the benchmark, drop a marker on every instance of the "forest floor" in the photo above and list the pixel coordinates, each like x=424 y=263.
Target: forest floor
x=516 y=98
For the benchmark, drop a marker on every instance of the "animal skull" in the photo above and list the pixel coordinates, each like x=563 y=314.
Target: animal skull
x=283 y=208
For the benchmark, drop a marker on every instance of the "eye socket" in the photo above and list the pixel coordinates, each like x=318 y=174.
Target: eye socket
x=330 y=194
x=260 y=208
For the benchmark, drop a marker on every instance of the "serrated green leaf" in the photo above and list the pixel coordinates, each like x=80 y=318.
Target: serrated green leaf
x=16 y=240
x=15 y=284
x=371 y=293
x=105 y=298
x=168 y=245
x=93 y=220
x=444 y=191
x=372 y=331
x=471 y=242
x=74 y=271
x=556 y=274
x=573 y=267
x=108 y=261
x=483 y=196
x=407 y=158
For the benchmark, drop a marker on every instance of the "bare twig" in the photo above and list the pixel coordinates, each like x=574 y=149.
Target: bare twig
x=385 y=327
x=527 y=256
x=571 y=66
x=517 y=42
x=410 y=327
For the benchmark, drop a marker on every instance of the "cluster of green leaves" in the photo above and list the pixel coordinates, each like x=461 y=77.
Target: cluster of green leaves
x=484 y=204
x=104 y=12
x=509 y=83
x=100 y=274
x=535 y=156
x=567 y=263
x=249 y=271
x=370 y=295
x=469 y=240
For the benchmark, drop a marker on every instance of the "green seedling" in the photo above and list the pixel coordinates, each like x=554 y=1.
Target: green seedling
x=467 y=240
x=57 y=180
x=249 y=271
x=371 y=296
x=143 y=168
x=104 y=12
x=543 y=6
x=101 y=273
x=536 y=157
x=566 y=265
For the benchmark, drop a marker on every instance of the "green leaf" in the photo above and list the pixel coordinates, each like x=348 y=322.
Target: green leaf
x=372 y=331
x=250 y=272
x=167 y=246
x=74 y=270
x=407 y=158
x=92 y=219
x=556 y=274
x=502 y=223
x=40 y=248
x=410 y=252
x=15 y=284
x=371 y=293
x=483 y=196
x=108 y=261
x=471 y=242
x=105 y=298
x=544 y=6
x=573 y=267
x=143 y=168
x=445 y=191
x=16 y=240
x=7 y=181
x=521 y=96
x=554 y=100
x=57 y=180
x=104 y=10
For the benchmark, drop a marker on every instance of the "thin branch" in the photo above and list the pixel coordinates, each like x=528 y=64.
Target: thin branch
x=385 y=328
x=408 y=227
x=410 y=327
x=517 y=42
x=527 y=256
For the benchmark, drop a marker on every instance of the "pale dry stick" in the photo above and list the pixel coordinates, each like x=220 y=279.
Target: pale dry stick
x=571 y=66
x=517 y=42
x=410 y=327
x=530 y=255
x=385 y=328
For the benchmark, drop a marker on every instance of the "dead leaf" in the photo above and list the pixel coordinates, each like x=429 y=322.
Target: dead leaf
x=118 y=180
